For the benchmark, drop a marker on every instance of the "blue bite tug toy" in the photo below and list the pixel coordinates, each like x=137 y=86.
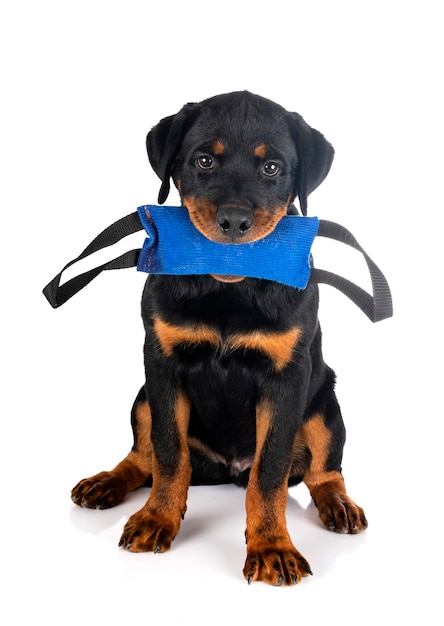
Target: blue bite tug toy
x=175 y=247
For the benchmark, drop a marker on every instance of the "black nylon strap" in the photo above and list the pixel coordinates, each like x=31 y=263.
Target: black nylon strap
x=376 y=307
x=58 y=295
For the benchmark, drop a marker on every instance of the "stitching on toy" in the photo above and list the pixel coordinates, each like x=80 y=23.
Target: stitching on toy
x=151 y=252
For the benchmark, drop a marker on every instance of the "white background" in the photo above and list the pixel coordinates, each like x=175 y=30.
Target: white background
x=82 y=82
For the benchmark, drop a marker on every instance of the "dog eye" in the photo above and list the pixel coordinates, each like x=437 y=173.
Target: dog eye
x=205 y=162
x=271 y=168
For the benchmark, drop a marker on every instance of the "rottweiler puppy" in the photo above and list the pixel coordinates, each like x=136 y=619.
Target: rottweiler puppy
x=236 y=388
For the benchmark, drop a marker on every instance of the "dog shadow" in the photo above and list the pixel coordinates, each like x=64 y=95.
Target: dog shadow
x=97 y=521
x=207 y=508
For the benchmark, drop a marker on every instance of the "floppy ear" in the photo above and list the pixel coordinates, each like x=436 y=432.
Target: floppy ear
x=315 y=158
x=163 y=143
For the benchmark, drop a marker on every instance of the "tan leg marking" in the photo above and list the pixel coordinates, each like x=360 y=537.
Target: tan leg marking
x=336 y=509
x=271 y=555
x=153 y=528
x=107 y=489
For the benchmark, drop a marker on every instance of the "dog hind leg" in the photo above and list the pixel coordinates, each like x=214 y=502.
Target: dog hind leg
x=336 y=509
x=107 y=489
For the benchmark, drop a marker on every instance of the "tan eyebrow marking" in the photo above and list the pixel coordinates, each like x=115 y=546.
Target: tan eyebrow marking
x=218 y=147
x=260 y=151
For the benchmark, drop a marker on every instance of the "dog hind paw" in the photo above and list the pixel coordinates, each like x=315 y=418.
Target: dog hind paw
x=340 y=514
x=102 y=491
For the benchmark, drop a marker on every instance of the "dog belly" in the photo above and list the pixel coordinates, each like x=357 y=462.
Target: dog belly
x=223 y=415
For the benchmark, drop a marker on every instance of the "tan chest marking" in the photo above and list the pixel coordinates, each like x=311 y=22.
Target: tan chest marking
x=170 y=336
x=278 y=346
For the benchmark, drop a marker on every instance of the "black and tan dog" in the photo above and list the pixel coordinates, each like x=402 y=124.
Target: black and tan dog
x=236 y=387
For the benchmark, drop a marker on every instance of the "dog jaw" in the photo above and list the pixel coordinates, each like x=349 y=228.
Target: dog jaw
x=227 y=278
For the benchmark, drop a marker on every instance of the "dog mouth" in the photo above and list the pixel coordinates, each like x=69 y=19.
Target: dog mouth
x=230 y=223
x=227 y=278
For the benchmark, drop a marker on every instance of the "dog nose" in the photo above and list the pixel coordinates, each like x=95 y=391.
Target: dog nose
x=234 y=222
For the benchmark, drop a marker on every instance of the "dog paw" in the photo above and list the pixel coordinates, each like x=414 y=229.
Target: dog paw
x=340 y=514
x=275 y=566
x=148 y=532
x=102 y=491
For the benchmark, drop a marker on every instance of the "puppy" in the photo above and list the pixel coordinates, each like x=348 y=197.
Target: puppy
x=236 y=388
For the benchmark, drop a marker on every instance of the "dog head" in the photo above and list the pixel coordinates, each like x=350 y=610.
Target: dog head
x=238 y=161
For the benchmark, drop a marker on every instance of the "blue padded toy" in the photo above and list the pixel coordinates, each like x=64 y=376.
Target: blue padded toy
x=175 y=247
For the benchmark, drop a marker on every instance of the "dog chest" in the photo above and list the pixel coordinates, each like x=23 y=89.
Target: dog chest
x=199 y=339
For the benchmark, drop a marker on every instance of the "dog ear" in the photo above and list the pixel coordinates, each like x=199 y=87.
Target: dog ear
x=315 y=155
x=163 y=143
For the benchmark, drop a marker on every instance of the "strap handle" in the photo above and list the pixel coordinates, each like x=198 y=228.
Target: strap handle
x=376 y=307
x=58 y=295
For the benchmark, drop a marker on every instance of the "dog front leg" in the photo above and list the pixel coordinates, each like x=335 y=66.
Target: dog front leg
x=271 y=555
x=153 y=528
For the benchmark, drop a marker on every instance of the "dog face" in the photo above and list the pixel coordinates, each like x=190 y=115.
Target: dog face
x=238 y=161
